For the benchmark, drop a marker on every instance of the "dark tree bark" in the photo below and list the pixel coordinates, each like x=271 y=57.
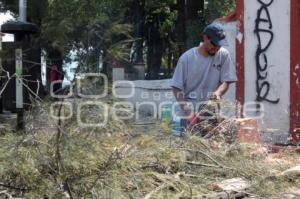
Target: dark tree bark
x=194 y=22
x=188 y=27
x=155 y=51
x=195 y=9
x=170 y=64
x=139 y=21
x=181 y=26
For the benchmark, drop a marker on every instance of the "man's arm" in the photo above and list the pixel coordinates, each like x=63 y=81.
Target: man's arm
x=221 y=90
x=179 y=95
x=228 y=76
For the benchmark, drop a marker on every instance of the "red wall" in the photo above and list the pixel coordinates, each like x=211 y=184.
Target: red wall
x=295 y=72
x=240 y=86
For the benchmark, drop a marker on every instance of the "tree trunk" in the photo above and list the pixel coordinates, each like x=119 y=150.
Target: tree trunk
x=194 y=22
x=155 y=51
x=139 y=30
x=195 y=9
x=181 y=26
x=170 y=64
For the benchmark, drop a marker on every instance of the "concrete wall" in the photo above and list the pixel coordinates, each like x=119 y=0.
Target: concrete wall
x=146 y=95
x=277 y=71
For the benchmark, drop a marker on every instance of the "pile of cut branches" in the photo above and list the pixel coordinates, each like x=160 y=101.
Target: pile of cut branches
x=121 y=161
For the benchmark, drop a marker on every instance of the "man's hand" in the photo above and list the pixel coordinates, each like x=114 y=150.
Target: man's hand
x=215 y=96
x=184 y=105
x=221 y=90
x=187 y=108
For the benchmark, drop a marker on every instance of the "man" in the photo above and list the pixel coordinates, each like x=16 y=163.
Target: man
x=203 y=73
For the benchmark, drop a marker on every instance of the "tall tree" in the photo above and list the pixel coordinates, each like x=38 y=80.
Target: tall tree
x=181 y=25
x=91 y=28
x=139 y=24
x=217 y=8
x=159 y=25
x=194 y=22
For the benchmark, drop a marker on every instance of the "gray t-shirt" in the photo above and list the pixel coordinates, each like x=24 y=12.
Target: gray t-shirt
x=198 y=76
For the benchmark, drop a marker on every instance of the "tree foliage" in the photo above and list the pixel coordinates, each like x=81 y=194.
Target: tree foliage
x=160 y=21
x=36 y=9
x=217 y=8
x=105 y=29
x=91 y=28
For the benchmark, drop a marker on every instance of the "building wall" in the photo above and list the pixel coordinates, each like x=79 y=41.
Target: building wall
x=272 y=79
x=231 y=33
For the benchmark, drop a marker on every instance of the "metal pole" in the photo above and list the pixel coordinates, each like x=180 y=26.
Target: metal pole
x=22 y=10
x=19 y=88
x=19 y=70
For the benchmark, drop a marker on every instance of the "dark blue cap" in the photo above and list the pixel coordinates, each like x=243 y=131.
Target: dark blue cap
x=216 y=34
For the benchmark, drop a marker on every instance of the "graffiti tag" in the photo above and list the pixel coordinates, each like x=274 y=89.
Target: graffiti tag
x=263 y=28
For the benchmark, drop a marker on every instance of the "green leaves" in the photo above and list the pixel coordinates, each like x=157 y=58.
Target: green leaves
x=217 y=8
x=87 y=27
x=160 y=12
x=96 y=28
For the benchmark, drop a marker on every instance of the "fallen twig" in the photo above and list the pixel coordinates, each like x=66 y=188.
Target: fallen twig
x=157 y=189
x=6 y=194
x=206 y=155
x=202 y=164
x=12 y=187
